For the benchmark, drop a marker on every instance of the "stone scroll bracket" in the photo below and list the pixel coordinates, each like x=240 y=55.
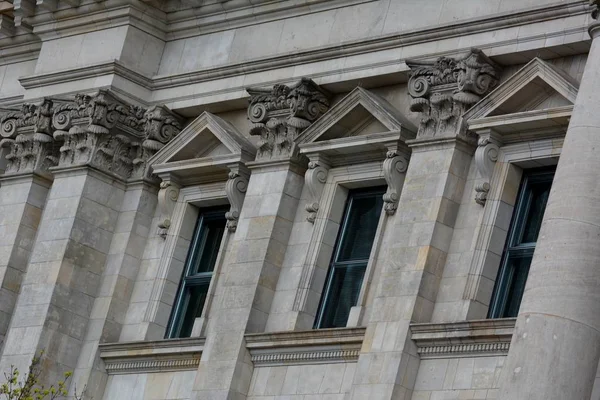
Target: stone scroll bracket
x=235 y=189
x=167 y=199
x=486 y=155
x=394 y=167
x=315 y=179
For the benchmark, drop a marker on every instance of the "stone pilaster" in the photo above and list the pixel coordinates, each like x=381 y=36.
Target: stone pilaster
x=22 y=200
x=90 y=239
x=132 y=228
x=247 y=283
x=26 y=138
x=556 y=345
x=418 y=236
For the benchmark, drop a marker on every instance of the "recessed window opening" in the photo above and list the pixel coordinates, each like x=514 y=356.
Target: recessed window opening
x=197 y=272
x=521 y=241
x=350 y=257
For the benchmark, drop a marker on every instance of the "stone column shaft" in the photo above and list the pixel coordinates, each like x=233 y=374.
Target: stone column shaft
x=64 y=272
x=556 y=345
x=247 y=283
x=412 y=259
x=22 y=199
x=123 y=260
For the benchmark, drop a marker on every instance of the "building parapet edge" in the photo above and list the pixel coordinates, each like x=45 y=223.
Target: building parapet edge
x=479 y=338
x=152 y=356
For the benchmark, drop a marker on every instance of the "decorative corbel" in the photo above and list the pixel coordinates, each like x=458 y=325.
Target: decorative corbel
x=486 y=155
x=167 y=198
x=315 y=178
x=394 y=166
x=235 y=189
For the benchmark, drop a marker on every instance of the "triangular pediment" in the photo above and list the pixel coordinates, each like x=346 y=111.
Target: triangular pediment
x=206 y=136
x=360 y=113
x=535 y=87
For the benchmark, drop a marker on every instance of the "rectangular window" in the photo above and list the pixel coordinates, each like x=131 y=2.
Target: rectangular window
x=520 y=243
x=197 y=272
x=350 y=257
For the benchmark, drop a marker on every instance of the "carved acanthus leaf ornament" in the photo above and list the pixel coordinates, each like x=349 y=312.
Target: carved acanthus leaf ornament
x=443 y=90
x=281 y=113
x=100 y=130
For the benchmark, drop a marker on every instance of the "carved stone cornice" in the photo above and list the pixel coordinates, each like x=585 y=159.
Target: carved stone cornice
x=281 y=113
x=444 y=89
x=99 y=130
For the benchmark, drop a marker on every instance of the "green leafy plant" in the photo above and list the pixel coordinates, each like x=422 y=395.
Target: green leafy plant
x=29 y=388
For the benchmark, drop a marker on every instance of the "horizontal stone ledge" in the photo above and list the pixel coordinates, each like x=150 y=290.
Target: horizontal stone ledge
x=322 y=346
x=152 y=356
x=479 y=338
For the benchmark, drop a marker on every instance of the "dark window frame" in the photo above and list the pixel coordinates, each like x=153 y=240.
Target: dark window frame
x=501 y=305
x=189 y=280
x=336 y=263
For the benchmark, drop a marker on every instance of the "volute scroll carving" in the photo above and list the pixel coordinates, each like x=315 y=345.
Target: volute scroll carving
x=444 y=89
x=279 y=114
x=486 y=155
x=27 y=137
x=394 y=165
x=167 y=199
x=315 y=179
x=235 y=189
x=99 y=130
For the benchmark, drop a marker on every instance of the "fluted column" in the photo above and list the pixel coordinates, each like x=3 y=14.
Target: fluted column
x=556 y=346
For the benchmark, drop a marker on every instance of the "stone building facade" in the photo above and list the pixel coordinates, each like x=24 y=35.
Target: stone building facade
x=302 y=199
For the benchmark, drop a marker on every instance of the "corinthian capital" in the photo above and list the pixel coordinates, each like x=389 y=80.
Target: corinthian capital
x=281 y=113
x=26 y=136
x=444 y=89
x=160 y=126
x=595 y=4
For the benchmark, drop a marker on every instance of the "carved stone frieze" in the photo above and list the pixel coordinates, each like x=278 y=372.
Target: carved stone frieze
x=395 y=164
x=167 y=198
x=486 y=156
x=27 y=137
x=315 y=178
x=281 y=113
x=98 y=130
x=235 y=189
x=443 y=90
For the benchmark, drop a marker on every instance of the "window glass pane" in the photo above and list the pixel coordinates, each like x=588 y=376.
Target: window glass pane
x=194 y=302
x=197 y=273
x=539 y=193
x=518 y=269
x=520 y=244
x=212 y=233
x=351 y=256
x=361 y=225
x=342 y=295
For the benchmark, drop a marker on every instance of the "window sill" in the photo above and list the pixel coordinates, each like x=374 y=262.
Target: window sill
x=480 y=338
x=152 y=356
x=319 y=346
